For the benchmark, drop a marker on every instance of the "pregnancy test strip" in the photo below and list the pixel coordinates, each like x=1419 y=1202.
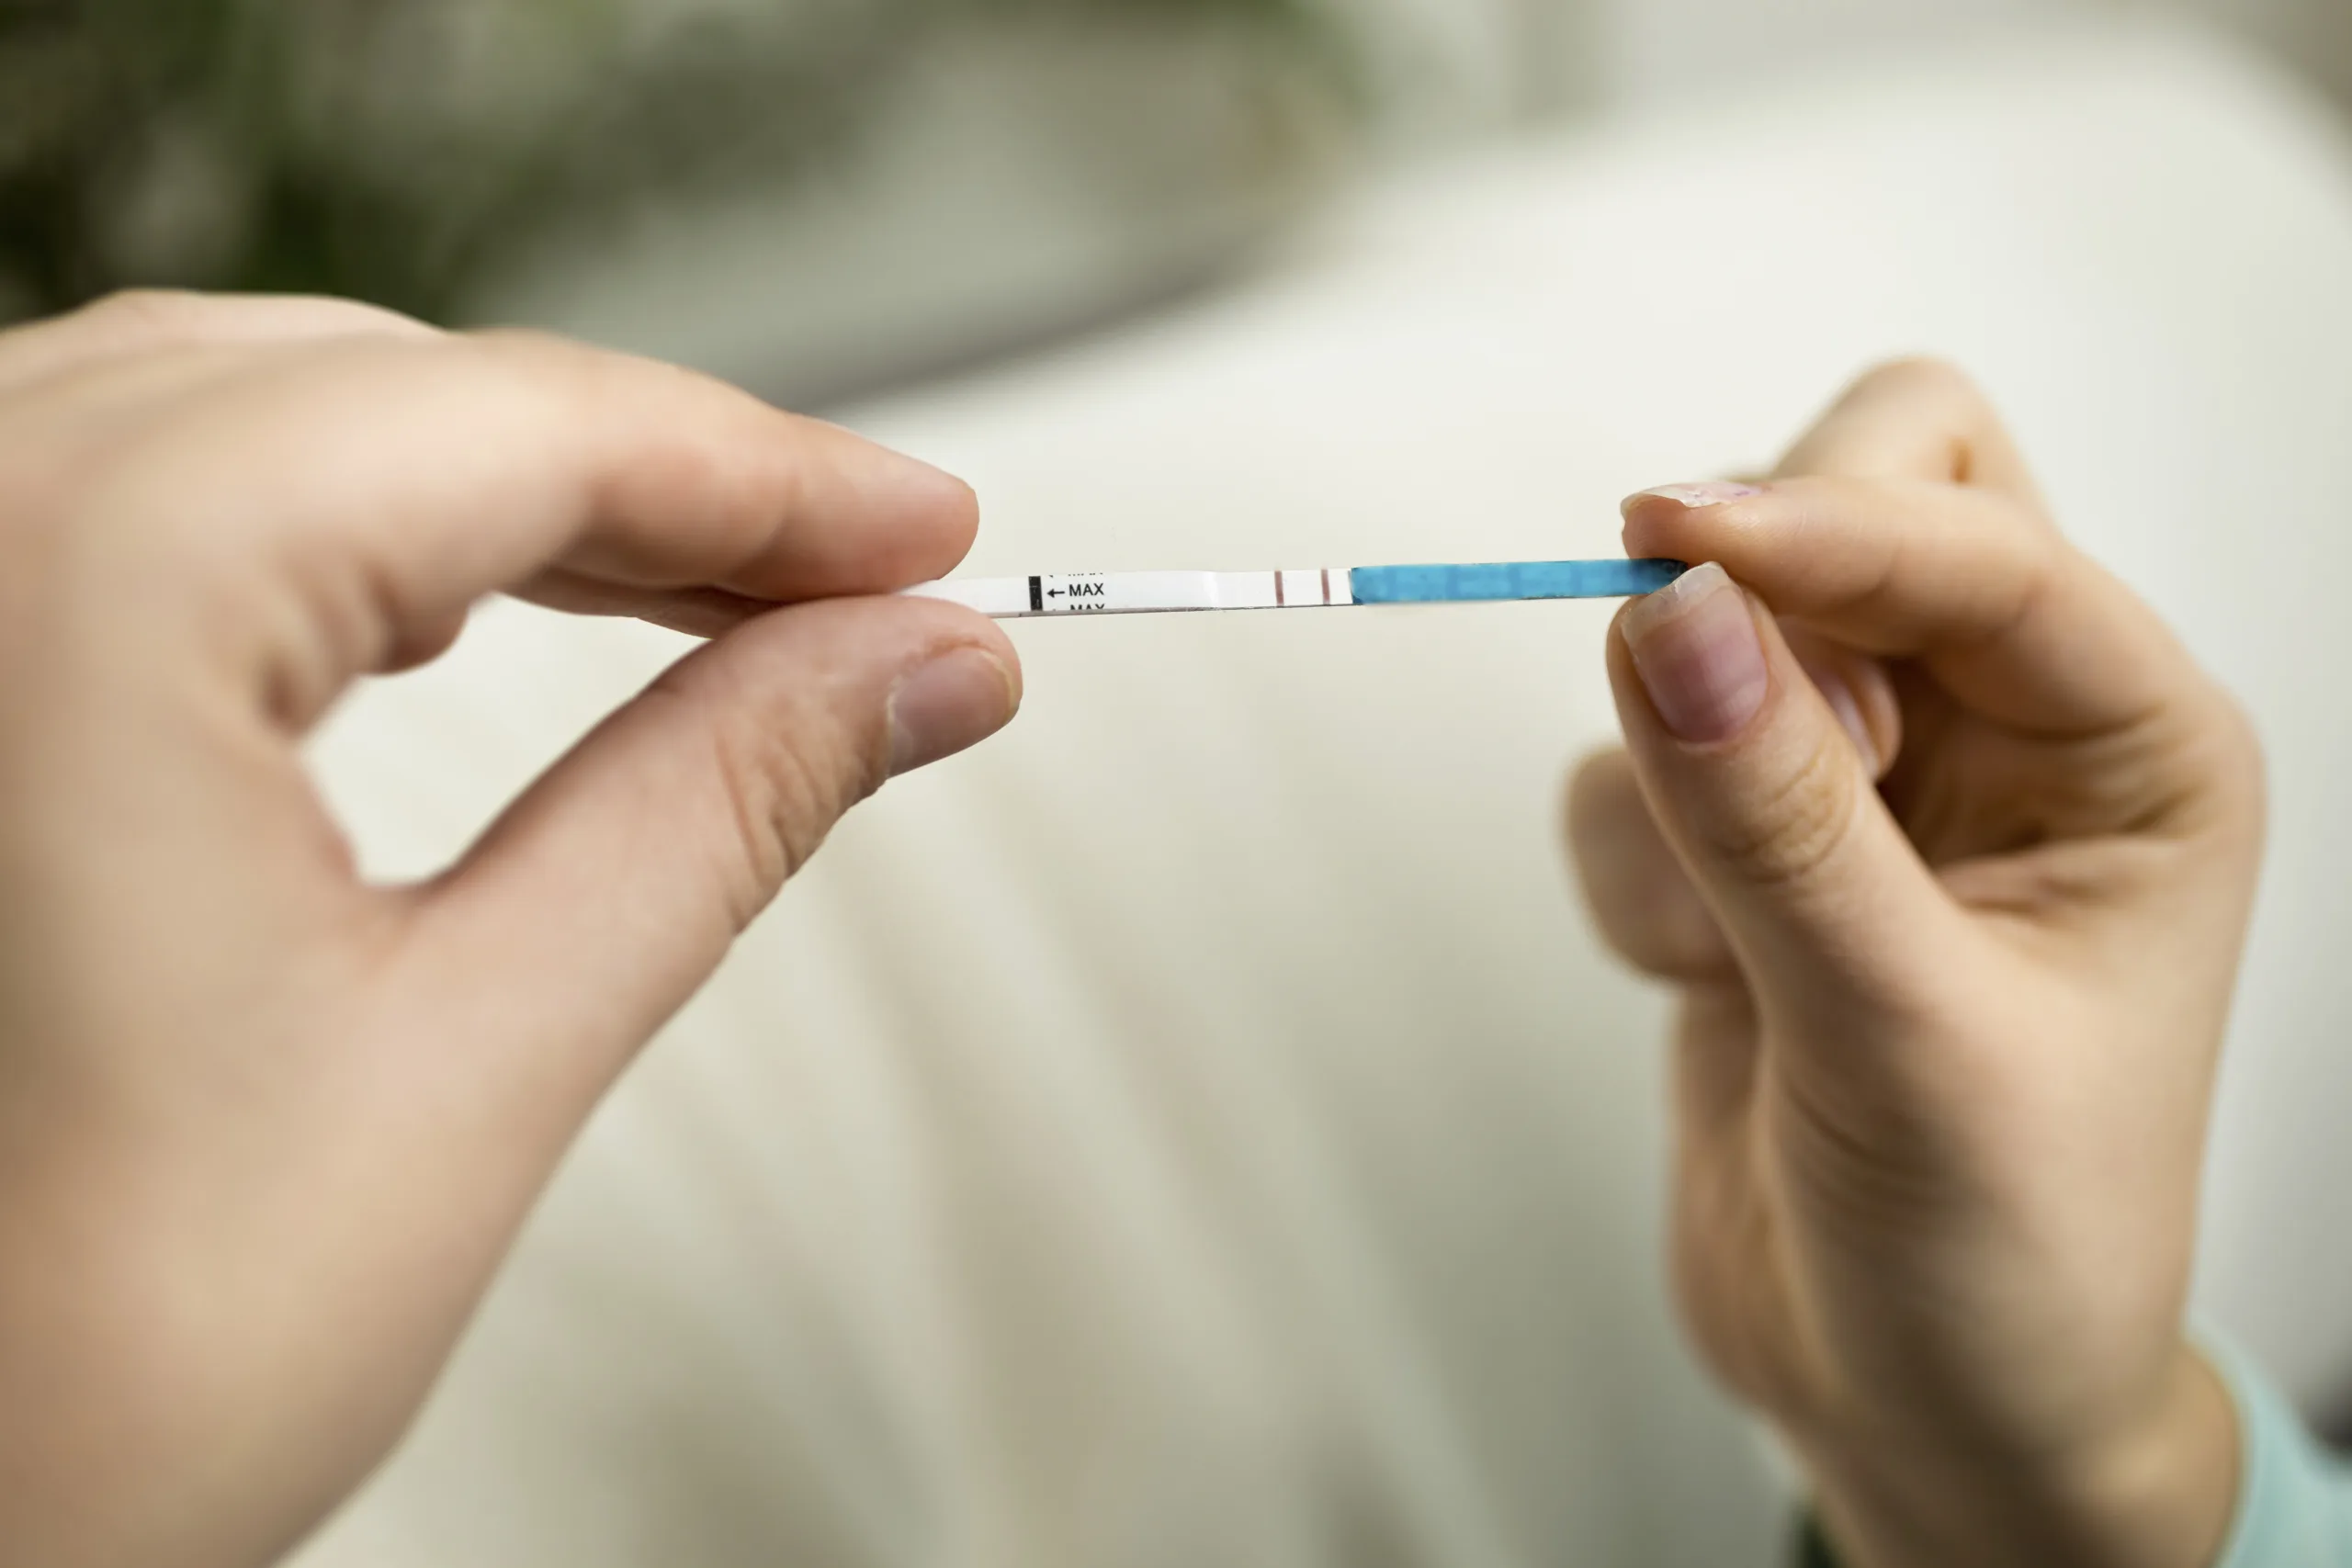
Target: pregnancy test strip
x=1155 y=592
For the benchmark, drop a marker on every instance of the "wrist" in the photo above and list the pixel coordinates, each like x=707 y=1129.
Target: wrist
x=2159 y=1492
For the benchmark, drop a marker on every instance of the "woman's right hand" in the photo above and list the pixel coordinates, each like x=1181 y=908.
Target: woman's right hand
x=266 y=1129
x=1946 y=1044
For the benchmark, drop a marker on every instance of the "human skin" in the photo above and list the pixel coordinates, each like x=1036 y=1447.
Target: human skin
x=1945 y=1047
x=266 y=1130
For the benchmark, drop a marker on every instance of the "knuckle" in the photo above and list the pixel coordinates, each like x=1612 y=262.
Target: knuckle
x=162 y=314
x=505 y=399
x=548 y=361
x=1920 y=416
x=361 y=315
x=167 y=318
x=531 y=344
x=1938 y=393
x=552 y=381
x=784 y=777
x=1789 y=829
x=1922 y=375
x=517 y=395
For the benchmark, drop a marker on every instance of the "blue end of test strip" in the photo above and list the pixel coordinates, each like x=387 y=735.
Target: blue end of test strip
x=1511 y=580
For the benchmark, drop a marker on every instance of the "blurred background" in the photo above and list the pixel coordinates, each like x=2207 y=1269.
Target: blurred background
x=822 y=197
x=1197 y=1127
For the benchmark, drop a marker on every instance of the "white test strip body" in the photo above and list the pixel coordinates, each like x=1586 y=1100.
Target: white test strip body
x=1138 y=592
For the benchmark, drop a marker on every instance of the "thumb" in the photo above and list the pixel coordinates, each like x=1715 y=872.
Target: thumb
x=1765 y=798
x=606 y=894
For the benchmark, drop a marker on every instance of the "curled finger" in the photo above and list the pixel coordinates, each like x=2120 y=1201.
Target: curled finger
x=1641 y=898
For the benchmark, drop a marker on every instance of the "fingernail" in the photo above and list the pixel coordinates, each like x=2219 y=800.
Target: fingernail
x=959 y=699
x=1695 y=496
x=1696 y=648
x=1839 y=692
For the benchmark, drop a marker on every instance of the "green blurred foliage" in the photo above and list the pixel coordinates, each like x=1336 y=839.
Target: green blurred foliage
x=392 y=149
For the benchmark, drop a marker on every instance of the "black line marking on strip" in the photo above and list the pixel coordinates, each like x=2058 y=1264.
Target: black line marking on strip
x=1279 y=600
x=1036 y=596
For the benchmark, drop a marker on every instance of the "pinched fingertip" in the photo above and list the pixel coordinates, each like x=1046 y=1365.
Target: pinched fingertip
x=1687 y=521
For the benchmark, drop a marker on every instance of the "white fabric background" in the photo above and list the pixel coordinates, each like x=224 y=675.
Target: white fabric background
x=1198 y=1128
x=1456 y=65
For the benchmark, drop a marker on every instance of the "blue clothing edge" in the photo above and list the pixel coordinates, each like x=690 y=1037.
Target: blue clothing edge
x=2294 y=1506
x=2294 y=1498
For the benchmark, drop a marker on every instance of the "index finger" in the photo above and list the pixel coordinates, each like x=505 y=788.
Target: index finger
x=1905 y=523
x=2012 y=620
x=387 y=484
